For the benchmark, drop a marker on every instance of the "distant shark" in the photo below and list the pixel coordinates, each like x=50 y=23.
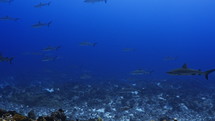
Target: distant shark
x=51 y=48
x=40 y=24
x=88 y=44
x=6 y=59
x=9 y=18
x=47 y=58
x=42 y=4
x=94 y=1
x=184 y=70
x=6 y=1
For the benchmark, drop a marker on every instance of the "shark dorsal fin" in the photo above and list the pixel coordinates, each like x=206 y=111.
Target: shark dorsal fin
x=184 y=66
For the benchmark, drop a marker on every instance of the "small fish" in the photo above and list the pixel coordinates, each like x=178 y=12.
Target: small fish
x=6 y=59
x=48 y=58
x=88 y=44
x=85 y=76
x=140 y=72
x=169 y=58
x=40 y=24
x=184 y=70
x=51 y=48
x=33 y=53
x=6 y=1
x=36 y=53
x=125 y=108
x=42 y=4
x=7 y=18
x=94 y=1
x=128 y=49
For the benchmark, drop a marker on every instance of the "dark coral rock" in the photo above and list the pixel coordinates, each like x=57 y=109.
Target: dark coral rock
x=59 y=115
x=12 y=112
x=96 y=119
x=41 y=119
x=165 y=118
x=18 y=117
x=47 y=118
x=13 y=115
x=6 y=115
x=175 y=119
x=2 y=112
x=32 y=115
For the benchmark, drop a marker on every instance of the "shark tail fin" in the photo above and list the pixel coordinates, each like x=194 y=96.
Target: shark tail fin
x=94 y=44
x=151 y=71
x=208 y=72
x=58 y=47
x=49 y=23
x=16 y=19
x=55 y=58
x=11 y=59
x=10 y=1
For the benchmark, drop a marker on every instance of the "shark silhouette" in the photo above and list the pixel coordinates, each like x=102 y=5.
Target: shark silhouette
x=184 y=70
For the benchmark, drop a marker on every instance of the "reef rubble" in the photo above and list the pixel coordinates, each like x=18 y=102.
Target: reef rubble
x=112 y=101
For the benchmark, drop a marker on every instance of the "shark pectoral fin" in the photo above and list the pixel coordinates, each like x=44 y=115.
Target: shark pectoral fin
x=49 y=23
x=58 y=47
x=94 y=44
x=184 y=66
x=208 y=72
x=206 y=76
x=11 y=59
x=16 y=19
x=55 y=58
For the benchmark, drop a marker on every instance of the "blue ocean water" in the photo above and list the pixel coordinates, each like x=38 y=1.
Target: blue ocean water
x=129 y=35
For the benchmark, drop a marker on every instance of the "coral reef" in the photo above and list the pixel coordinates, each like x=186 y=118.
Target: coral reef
x=55 y=116
x=139 y=100
x=12 y=116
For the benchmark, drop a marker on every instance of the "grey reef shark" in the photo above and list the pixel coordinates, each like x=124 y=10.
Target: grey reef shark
x=184 y=70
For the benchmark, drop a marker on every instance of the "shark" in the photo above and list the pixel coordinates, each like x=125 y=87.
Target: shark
x=8 y=18
x=6 y=1
x=48 y=58
x=128 y=49
x=42 y=4
x=169 y=58
x=40 y=24
x=6 y=59
x=51 y=48
x=184 y=70
x=141 y=72
x=88 y=44
x=94 y=1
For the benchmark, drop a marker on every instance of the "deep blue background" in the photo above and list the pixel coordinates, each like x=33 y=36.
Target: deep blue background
x=154 y=28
